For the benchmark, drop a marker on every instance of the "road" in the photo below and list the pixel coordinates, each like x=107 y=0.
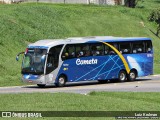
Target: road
x=143 y=84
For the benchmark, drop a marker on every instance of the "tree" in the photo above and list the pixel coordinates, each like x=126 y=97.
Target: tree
x=155 y=17
x=131 y=3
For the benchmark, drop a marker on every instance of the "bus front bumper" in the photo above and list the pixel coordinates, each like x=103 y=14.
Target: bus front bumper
x=33 y=79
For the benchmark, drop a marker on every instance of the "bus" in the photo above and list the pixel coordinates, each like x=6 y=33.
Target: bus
x=75 y=59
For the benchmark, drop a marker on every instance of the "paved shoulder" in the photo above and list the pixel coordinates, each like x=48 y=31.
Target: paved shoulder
x=143 y=84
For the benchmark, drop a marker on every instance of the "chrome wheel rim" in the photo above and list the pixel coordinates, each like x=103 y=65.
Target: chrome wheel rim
x=132 y=75
x=122 y=76
x=61 y=80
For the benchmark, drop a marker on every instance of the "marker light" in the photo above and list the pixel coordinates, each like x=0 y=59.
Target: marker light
x=26 y=50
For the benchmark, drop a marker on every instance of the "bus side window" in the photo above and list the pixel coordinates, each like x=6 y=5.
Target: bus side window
x=106 y=50
x=125 y=48
x=138 y=47
x=68 y=52
x=110 y=51
x=148 y=46
x=82 y=50
x=97 y=49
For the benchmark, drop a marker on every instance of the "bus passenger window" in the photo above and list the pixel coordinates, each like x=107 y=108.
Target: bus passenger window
x=94 y=51
x=68 y=52
x=82 y=50
x=125 y=48
x=138 y=47
x=97 y=49
x=148 y=46
x=109 y=50
x=106 y=50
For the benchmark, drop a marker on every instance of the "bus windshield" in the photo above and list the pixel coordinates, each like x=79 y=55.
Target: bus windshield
x=34 y=61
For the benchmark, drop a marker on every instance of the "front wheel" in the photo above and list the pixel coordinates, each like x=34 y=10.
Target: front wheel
x=132 y=75
x=122 y=76
x=61 y=81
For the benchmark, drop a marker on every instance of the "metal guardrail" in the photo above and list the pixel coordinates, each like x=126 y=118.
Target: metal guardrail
x=108 y=2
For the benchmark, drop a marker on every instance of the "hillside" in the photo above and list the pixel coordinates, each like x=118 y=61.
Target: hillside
x=21 y=24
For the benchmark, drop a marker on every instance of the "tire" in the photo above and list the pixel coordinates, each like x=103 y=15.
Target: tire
x=41 y=85
x=61 y=81
x=132 y=75
x=122 y=76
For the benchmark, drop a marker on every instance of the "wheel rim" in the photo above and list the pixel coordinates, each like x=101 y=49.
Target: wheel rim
x=122 y=76
x=132 y=75
x=61 y=80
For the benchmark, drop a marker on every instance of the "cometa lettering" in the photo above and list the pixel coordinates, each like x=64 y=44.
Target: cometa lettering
x=84 y=62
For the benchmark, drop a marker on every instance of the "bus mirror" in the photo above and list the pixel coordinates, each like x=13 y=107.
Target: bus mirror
x=17 y=57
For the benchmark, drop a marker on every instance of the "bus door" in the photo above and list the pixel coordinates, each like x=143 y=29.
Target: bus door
x=52 y=64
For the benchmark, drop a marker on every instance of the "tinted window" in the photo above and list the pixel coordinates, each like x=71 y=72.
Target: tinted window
x=109 y=50
x=148 y=47
x=68 y=52
x=82 y=50
x=97 y=49
x=125 y=48
x=138 y=47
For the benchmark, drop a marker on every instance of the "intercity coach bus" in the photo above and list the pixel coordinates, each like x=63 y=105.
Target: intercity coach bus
x=76 y=59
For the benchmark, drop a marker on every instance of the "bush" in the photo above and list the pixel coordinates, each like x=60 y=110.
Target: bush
x=131 y=3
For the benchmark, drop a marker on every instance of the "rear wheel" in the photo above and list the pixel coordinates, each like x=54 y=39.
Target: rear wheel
x=41 y=85
x=122 y=76
x=61 y=81
x=132 y=75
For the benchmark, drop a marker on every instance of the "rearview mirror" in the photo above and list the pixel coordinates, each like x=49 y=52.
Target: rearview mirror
x=17 y=57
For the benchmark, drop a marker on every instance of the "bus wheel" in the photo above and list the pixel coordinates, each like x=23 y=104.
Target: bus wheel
x=132 y=75
x=41 y=85
x=122 y=76
x=61 y=81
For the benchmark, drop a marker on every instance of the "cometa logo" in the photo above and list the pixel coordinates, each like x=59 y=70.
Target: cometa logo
x=84 y=62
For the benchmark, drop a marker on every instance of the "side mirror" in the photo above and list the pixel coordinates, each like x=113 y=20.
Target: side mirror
x=17 y=57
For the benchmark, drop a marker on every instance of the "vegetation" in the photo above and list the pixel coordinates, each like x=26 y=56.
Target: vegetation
x=21 y=24
x=155 y=17
x=96 y=101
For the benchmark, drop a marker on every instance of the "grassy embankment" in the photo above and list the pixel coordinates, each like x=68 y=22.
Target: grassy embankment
x=102 y=101
x=21 y=24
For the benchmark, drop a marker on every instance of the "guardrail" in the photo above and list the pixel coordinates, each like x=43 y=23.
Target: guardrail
x=107 y=2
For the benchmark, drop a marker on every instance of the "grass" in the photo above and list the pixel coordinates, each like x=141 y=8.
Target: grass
x=95 y=101
x=21 y=24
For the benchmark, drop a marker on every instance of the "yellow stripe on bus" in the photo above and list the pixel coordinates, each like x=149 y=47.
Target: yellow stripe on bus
x=120 y=55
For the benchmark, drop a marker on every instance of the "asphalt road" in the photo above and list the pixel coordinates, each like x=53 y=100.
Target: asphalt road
x=143 y=84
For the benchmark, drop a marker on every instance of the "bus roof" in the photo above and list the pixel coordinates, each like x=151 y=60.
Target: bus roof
x=52 y=42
